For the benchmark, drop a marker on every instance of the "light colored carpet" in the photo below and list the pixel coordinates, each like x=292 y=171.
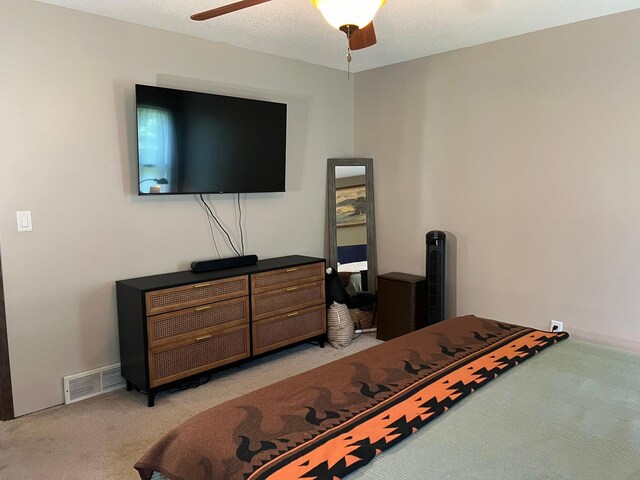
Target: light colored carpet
x=101 y=438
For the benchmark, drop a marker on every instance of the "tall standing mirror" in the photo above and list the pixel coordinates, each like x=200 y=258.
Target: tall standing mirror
x=352 y=228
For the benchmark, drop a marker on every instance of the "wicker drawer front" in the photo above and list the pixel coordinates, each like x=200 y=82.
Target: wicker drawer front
x=167 y=300
x=173 y=326
x=261 y=282
x=176 y=361
x=289 y=328
x=287 y=300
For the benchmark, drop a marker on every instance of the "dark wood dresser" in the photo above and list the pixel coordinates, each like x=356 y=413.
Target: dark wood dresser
x=179 y=325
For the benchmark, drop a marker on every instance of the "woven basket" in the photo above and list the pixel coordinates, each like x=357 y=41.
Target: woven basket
x=339 y=325
x=363 y=317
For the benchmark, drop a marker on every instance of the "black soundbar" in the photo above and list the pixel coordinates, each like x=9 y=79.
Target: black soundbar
x=222 y=263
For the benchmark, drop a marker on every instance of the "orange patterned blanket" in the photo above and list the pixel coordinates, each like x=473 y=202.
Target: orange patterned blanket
x=329 y=421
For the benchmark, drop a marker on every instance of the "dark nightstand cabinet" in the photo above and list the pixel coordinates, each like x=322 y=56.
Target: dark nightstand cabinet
x=401 y=304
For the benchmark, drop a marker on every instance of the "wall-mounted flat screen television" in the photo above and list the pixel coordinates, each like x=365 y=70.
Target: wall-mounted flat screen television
x=190 y=142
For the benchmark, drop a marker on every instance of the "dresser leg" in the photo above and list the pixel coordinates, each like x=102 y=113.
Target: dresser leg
x=151 y=398
x=129 y=386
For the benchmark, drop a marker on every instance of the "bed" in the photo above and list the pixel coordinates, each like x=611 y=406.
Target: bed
x=330 y=421
x=571 y=413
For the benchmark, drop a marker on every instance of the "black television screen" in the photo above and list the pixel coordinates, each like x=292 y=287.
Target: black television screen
x=191 y=142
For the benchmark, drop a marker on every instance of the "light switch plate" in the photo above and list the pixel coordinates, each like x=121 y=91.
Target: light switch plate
x=24 y=221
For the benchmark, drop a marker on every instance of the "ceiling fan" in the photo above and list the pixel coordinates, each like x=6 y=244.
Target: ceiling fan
x=353 y=17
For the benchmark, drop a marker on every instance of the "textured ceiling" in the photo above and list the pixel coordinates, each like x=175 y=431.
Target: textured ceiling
x=406 y=29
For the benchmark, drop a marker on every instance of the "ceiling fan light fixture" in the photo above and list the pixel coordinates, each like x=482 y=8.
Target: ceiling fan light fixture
x=339 y=13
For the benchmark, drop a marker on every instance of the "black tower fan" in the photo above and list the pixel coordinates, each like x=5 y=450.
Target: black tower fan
x=436 y=241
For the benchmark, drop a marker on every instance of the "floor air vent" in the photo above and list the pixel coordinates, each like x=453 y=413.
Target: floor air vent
x=94 y=382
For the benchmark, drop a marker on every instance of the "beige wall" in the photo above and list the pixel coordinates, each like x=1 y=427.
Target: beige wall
x=67 y=153
x=528 y=151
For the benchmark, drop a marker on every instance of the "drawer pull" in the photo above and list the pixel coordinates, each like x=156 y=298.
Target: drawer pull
x=200 y=285
x=291 y=289
x=293 y=314
x=199 y=339
x=200 y=309
x=289 y=270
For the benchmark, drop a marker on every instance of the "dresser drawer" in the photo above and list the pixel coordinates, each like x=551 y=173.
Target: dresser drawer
x=261 y=282
x=285 y=300
x=167 y=300
x=178 y=360
x=282 y=330
x=174 y=326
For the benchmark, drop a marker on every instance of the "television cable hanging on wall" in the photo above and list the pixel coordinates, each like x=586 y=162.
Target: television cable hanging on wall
x=220 y=226
x=240 y=225
x=213 y=235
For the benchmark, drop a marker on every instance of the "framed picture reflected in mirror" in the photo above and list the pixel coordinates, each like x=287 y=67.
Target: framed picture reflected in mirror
x=351 y=206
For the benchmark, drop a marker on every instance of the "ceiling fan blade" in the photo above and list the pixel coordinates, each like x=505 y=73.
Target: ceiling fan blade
x=232 y=7
x=363 y=38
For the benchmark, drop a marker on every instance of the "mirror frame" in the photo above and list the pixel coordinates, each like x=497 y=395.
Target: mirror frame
x=372 y=259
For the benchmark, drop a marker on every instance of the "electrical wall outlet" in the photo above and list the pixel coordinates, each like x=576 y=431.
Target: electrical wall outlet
x=556 y=326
